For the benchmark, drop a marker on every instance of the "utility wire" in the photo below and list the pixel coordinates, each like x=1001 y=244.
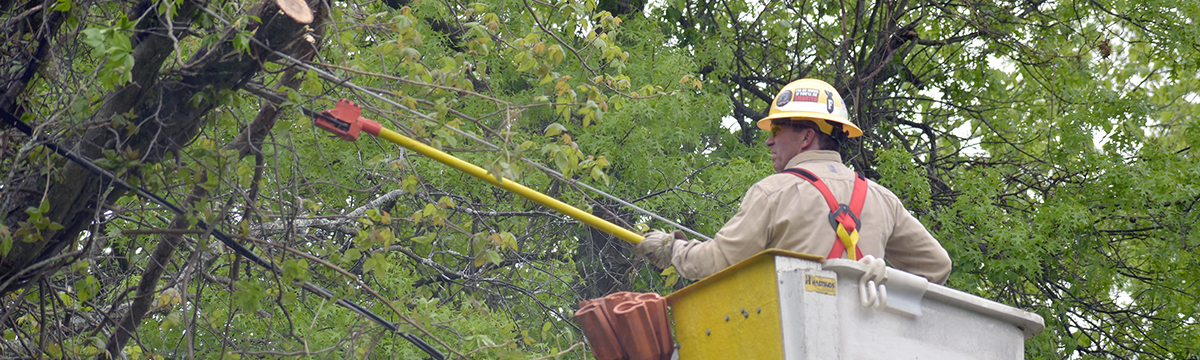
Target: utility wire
x=421 y=115
x=224 y=238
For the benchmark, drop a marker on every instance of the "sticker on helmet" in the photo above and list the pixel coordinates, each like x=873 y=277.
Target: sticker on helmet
x=829 y=101
x=784 y=98
x=807 y=95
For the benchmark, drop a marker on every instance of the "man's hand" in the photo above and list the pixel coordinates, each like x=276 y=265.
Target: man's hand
x=656 y=249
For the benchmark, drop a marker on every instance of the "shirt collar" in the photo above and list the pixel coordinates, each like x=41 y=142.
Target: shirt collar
x=815 y=155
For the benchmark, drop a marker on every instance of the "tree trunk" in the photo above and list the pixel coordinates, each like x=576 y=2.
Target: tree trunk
x=168 y=108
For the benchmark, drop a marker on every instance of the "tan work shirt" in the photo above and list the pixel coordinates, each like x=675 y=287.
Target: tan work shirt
x=784 y=211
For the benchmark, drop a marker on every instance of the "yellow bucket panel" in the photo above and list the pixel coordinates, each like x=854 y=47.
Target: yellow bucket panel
x=732 y=314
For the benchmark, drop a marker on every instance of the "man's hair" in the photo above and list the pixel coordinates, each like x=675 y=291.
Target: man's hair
x=824 y=141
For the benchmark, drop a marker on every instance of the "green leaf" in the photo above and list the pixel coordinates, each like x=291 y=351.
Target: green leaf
x=378 y=263
x=494 y=257
x=249 y=295
x=241 y=41
x=351 y=255
x=63 y=5
x=171 y=321
x=599 y=175
x=425 y=239
x=54 y=350
x=34 y=213
x=555 y=129
x=169 y=297
x=6 y=240
x=563 y=164
x=672 y=276
x=94 y=37
x=528 y=64
x=87 y=288
x=557 y=55
x=507 y=240
x=294 y=270
x=385 y=237
x=409 y=184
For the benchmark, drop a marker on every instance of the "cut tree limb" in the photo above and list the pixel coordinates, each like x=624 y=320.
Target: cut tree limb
x=296 y=9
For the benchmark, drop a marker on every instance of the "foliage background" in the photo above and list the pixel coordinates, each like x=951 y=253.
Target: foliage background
x=1048 y=145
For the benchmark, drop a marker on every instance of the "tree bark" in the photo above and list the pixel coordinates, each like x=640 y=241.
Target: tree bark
x=249 y=142
x=168 y=109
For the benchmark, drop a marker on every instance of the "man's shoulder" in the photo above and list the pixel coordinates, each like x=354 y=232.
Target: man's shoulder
x=776 y=182
x=830 y=172
x=888 y=198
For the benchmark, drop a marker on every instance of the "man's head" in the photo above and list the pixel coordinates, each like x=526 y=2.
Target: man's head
x=802 y=107
x=791 y=137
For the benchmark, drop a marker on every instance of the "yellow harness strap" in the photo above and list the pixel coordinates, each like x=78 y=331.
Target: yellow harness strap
x=850 y=240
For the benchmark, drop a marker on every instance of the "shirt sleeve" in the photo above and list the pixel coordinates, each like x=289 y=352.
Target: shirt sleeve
x=743 y=236
x=911 y=248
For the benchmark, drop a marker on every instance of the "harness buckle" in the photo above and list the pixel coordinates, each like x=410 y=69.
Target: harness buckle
x=843 y=209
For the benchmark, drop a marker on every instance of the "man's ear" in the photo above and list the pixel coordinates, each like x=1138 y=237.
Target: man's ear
x=810 y=135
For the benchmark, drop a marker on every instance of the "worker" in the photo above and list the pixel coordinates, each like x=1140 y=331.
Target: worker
x=789 y=210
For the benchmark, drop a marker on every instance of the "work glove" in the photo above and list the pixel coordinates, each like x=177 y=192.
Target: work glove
x=657 y=246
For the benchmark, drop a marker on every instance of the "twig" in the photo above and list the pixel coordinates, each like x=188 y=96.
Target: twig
x=561 y=353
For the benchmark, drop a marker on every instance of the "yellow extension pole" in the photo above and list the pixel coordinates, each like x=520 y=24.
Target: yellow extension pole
x=345 y=120
x=510 y=185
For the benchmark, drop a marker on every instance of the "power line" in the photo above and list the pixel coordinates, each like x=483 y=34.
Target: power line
x=421 y=115
x=224 y=238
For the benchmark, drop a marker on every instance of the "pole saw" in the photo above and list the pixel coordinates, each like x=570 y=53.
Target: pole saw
x=345 y=120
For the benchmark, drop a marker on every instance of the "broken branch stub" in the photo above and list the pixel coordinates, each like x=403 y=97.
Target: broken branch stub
x=296 y=9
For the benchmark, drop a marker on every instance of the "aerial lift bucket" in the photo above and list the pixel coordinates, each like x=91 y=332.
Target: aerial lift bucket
x=785 y=305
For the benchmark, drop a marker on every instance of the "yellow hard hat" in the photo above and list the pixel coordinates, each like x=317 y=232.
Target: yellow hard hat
x=812 y=100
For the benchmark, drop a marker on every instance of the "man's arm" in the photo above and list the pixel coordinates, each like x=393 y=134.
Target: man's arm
x=911 y=248
x=742 y=236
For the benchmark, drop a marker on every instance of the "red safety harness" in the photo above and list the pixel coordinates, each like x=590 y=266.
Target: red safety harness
x=843 y=218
